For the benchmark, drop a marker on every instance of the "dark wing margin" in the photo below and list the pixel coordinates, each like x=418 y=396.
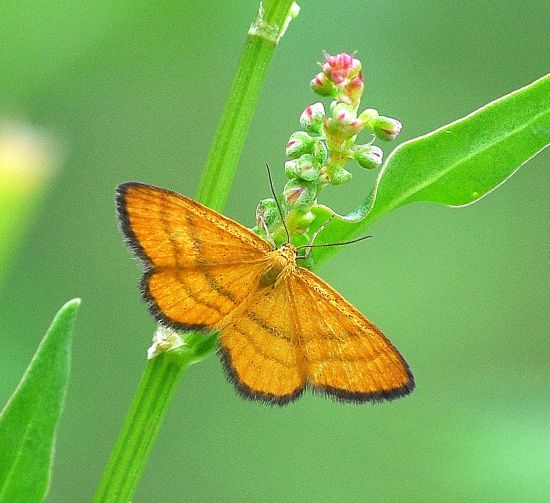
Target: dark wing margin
x=180 y=240
x=347 y=357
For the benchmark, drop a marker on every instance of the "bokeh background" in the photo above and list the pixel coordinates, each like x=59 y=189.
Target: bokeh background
x=95 y=93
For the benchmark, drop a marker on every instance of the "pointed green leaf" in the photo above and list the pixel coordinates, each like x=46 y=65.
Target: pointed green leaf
x=455 y=165
x=29 y=420
x=462 y=162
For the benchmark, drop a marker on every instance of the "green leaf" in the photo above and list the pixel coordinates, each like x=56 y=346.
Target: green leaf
x=455 y=165
x=29 y=420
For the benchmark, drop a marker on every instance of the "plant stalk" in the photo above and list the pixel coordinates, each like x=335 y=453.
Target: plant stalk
x=225 y=151
x=140 y=428
x=162 y=373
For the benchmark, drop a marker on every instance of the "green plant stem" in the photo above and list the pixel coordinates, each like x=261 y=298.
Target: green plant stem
x=162 y=373
x=225 y=151
x=140 y=428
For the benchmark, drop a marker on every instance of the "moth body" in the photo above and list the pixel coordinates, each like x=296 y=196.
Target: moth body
x=281 y=261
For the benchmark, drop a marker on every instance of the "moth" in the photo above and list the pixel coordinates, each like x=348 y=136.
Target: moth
x=282 y=328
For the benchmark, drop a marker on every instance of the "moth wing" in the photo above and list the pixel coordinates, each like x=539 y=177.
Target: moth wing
x=259 y=347
x=199 y=297
x=200 y=265
x=166 y=229
x=346 y=356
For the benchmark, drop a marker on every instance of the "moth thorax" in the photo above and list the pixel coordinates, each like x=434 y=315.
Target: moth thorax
x=280 y=259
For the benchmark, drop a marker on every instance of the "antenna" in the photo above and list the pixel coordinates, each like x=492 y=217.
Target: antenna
x=315 y=234
x=335 y=244
x=323 y=245
x=277 y=202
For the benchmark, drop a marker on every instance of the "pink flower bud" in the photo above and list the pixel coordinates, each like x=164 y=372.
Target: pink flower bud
x=355 y=68
x=355 y=88
x=386 y=128
x=299 y=143
x=343 y=113
x=323 y=86
x=345 y=122
x=339 y=129
x=368 y=156
x=355 y=127
x=341 y=67
x=312 y=118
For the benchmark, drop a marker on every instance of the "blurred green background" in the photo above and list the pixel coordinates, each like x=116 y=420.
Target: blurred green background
x=133 y=91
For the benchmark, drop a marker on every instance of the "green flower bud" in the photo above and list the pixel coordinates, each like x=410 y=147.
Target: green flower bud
x=339 y=175
x=367 y=117
x=307 y=169
x=312 y=118
x=386 y=128
x=331 y=126
x=298 y=144
x=343 y=130
x=368 y=156
x=345 y=120
x=320 y=152
x=299 y=193
x=291 y=168
x=267 y=213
